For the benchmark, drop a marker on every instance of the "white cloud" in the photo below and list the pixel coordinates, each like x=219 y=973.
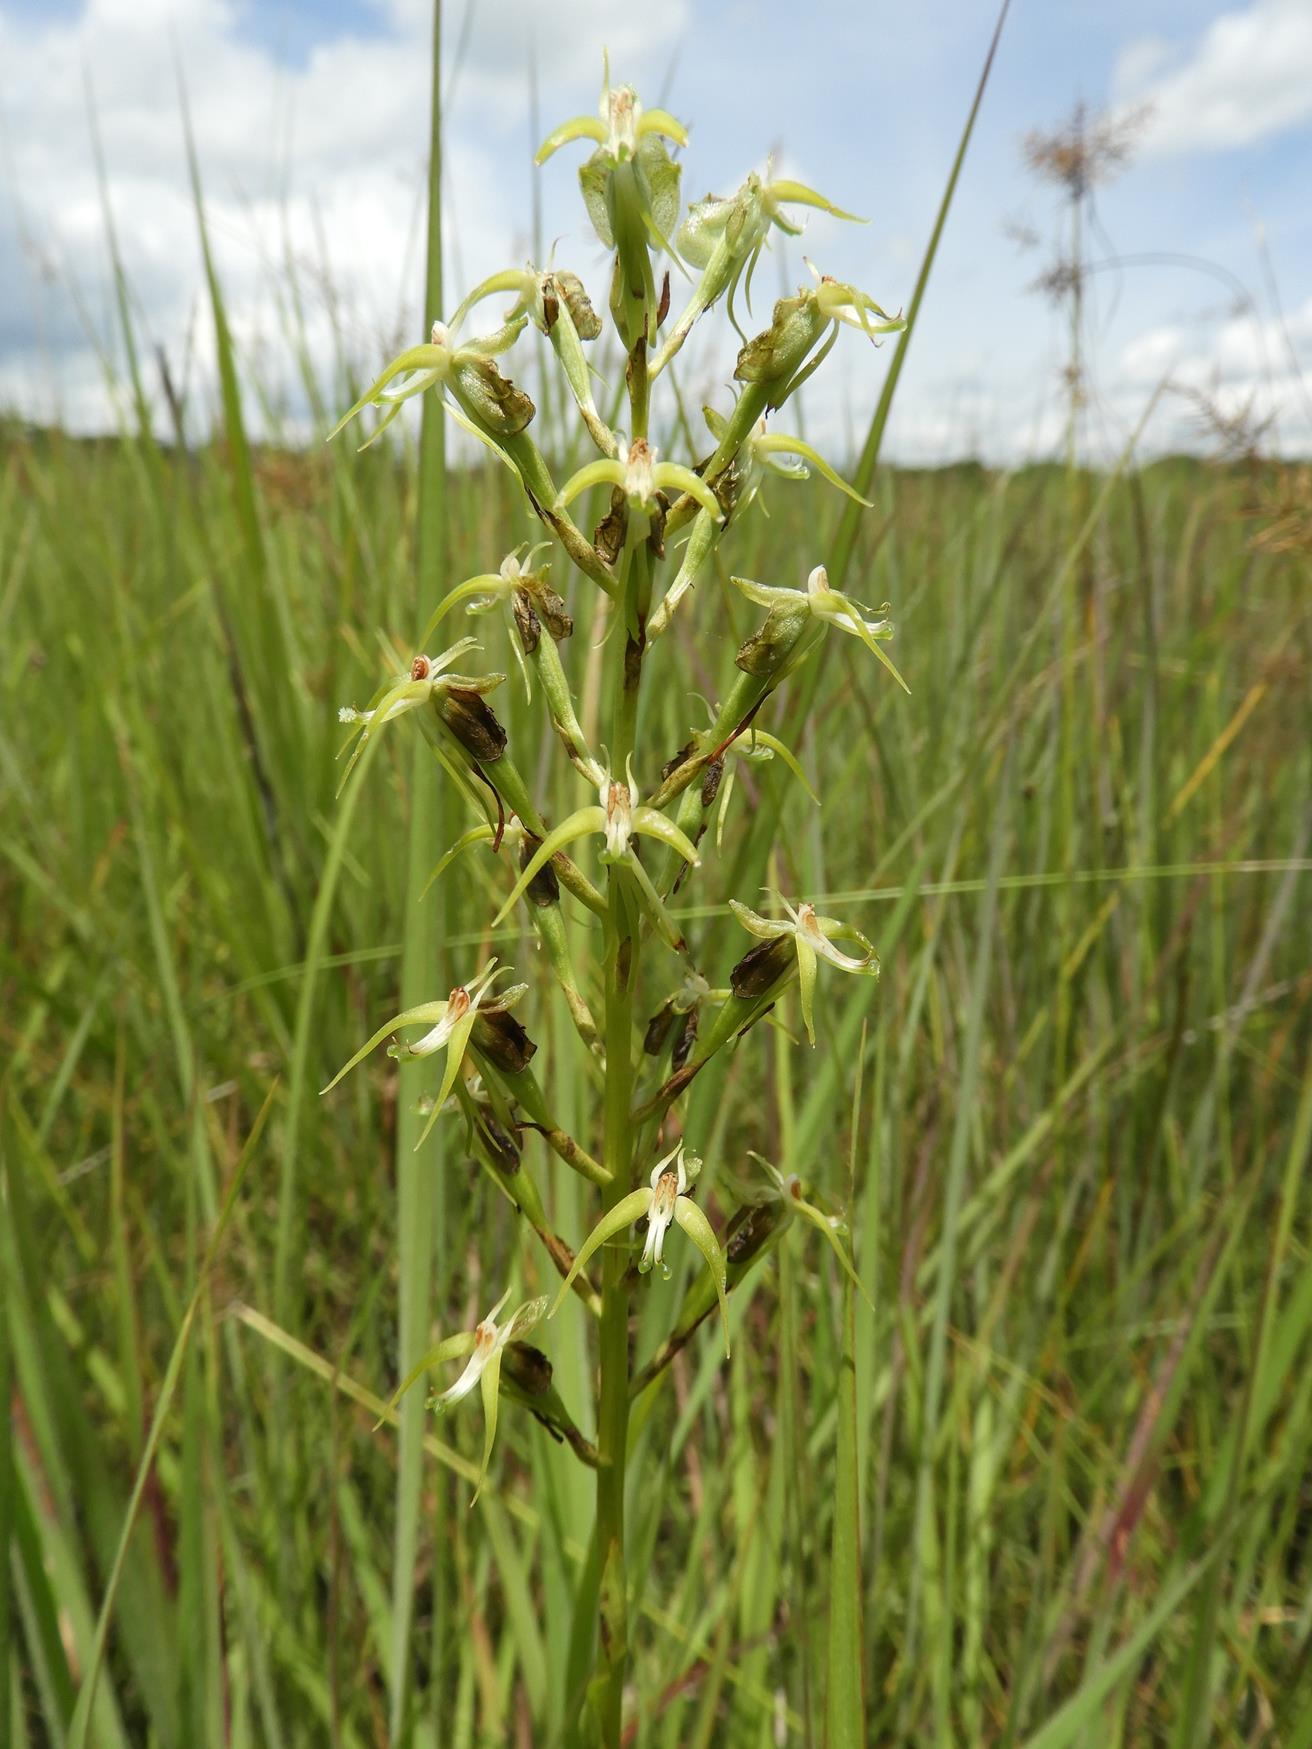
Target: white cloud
x=1247 y=77
x=322 y=163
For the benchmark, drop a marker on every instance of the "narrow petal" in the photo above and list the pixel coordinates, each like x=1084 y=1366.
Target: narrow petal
x=514 y=279
x=798 y=194
x=488 y=583
x=578 y=825
x=490 y=1385
x=767 y=928
x=406 y=695
x=845 y=962
x=626 y=1211
x=451 y=1348
x=822 y=1223
x=581 y=127
x=795 y=446
x=806 y=983
x=468 y=1379
x=847 y=616
x=475 y=835
x=416 y=358
x=654 y=905
x=776 y=746
x=424 y=1015
x=654 y=824
x=463 y=420
x=684 y=480
x=660 y=121
x=456 y=1046
x=699 y=1230
x=532 y=1312
x=598 y=473
x=764 y=595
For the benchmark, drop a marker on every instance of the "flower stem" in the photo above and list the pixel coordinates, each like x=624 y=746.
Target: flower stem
x=613 y=1409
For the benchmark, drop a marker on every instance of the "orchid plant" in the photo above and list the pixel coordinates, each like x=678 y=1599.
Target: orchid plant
x=625 y=853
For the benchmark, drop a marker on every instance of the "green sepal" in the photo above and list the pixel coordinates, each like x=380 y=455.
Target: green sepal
x=626 y=1211
x=578 y=825
x=426 y=1014
x=455 y=1047
x=695 y=1224
x=416 y=358
x=450 y=1348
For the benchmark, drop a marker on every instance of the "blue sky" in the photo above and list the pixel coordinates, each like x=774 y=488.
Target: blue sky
x=310 y=125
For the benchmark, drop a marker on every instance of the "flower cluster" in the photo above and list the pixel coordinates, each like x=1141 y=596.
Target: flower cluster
x=642 y=827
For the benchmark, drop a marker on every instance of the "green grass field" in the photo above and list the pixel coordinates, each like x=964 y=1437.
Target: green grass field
x=1083 y=1398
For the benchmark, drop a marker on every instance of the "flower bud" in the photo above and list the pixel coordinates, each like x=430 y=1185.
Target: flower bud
x=472 y=722
x=490 y=399
x=776 y=355
x=770 y=652
x=750 y=1229
x=503 y=1041
x=544 y=888
x=658 y=1029
x=761 y=968
x=501 y=1145
x=568 y=287
x=527 y=1368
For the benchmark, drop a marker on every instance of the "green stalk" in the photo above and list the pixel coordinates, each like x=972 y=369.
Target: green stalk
x=613 y=1409
x=621 y=973
x=419 y=1218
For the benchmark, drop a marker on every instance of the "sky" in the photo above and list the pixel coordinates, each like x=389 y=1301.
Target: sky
x=310 y=124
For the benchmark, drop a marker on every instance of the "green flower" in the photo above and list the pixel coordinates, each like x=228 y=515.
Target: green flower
x=619 y=127
x=485 y=1345
x=813 y=940
x=630 y=187
x=452 y=1025
x=619 y=817
x=484 y=402
x=638 y=474
x=457 y=698
x=663 y=1204
x=788 y=1192
x=737 y=484
x=725 y=239
x=796 y=621
x=522 y=596
x=558 y=306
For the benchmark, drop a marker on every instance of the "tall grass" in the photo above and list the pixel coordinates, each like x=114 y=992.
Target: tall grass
x=1076 y=1420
